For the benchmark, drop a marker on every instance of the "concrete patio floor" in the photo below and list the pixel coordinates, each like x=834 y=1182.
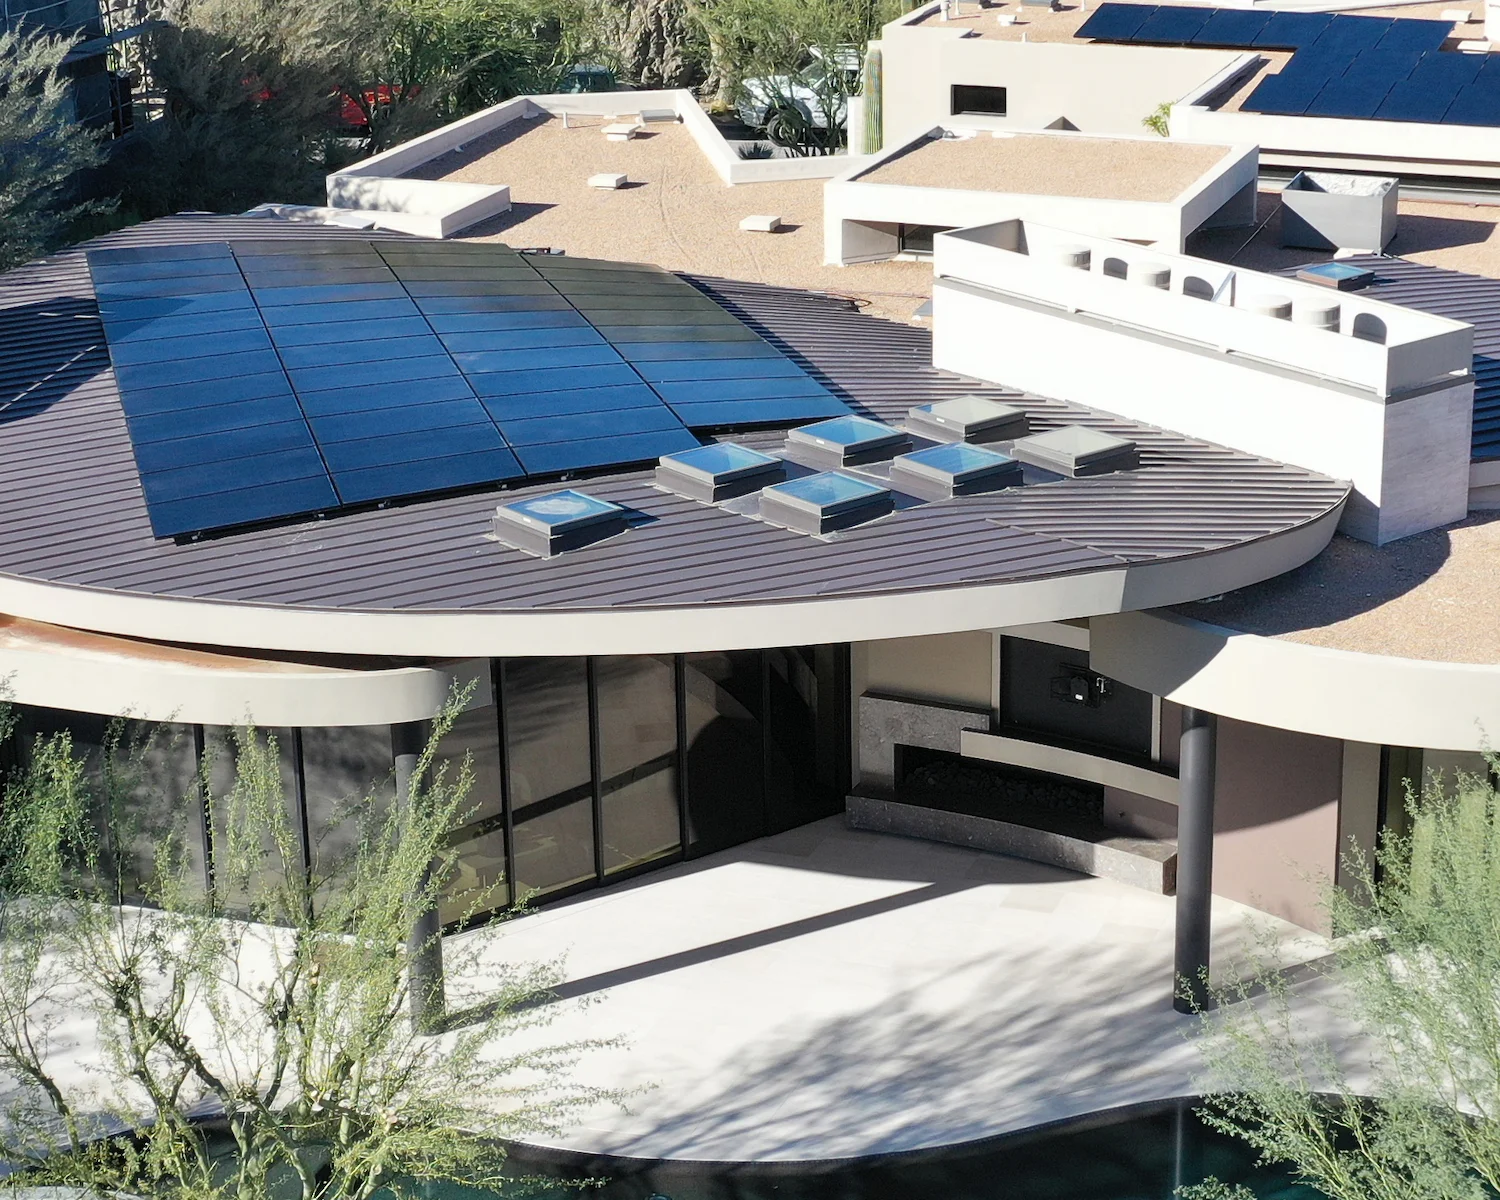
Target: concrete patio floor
x=827 y=993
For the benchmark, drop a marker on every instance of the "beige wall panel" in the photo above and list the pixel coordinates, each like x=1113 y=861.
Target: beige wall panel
x=1276 y=820
x=954 y=668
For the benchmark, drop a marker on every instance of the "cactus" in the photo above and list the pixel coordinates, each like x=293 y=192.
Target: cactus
x=874 y=116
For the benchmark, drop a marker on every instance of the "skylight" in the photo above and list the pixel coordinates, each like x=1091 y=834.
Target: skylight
x=825 y=503
x=846 y=441
x=969 y=419
x=1077 y=451
x=717 y=472
x=557 y=521
x=954 y=469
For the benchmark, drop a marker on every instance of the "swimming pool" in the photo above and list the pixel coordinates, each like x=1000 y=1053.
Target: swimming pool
x=1139 y=1153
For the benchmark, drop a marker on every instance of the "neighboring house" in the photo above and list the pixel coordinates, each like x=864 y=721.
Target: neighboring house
x=105 y=80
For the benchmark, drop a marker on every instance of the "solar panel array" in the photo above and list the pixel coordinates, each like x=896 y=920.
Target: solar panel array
x=1358 y=68
x=268 y=379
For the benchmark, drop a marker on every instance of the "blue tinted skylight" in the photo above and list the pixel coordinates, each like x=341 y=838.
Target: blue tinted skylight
x=827 y=493
x=955 y=462
x=847 y=434
x=721 y=462
x=559 y=512
x=1336 y=274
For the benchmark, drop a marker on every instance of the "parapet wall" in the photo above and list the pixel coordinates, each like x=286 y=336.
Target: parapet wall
x=1356 y=388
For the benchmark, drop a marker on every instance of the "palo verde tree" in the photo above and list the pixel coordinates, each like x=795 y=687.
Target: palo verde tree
x=1415 y=973
x=249 y=1039
x=44 y=151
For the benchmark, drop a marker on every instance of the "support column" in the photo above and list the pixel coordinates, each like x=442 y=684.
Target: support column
x=424 y=946
x=1195 y=856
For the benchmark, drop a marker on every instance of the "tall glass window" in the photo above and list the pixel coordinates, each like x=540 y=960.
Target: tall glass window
x=244 y=868
x=151 y=803
x=725 y=749
x=550 y=772
x=638 y=762
x=803 y=777
x=343 y=767
x=480 y=881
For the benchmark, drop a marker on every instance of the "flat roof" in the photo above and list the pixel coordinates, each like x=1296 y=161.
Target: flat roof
x=1433 y=596
x=675 y=212
x=1039 y=24
x=1039 y=164
x=76 y=517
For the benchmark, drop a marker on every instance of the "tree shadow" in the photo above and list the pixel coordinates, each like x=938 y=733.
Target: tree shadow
x=61 y=347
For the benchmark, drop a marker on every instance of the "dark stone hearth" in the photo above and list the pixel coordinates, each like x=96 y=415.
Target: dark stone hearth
x=1001 y=791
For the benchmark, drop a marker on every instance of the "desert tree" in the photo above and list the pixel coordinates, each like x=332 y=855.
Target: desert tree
x=769 y=50
x=45 y=152
x=246 y=1028
x=1401 y=1101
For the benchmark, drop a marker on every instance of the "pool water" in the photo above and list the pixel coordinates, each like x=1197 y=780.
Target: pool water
x=1141 y=1153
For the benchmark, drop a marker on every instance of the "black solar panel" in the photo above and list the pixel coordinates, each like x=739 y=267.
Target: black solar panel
x=1352 y=96
x=1418 y=100
x=1172 y=25
x=1234 y=27
x=1415 y=35
x=266 y=380
x=1115 y=22
x=1477 y=103
x=1291 y=30
x=1287 y=93
x=1349 y=35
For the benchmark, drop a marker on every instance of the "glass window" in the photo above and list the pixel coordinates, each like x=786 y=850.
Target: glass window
x=245 y=867
x=550 y=772
x=725 y=750
x=804 y=763
x=154 y=769
x=347 y=773
x=973 y=99
x=479 y=884
x=637 y=707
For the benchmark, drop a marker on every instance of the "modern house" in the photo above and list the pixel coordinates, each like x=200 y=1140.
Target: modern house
x=1135 y=562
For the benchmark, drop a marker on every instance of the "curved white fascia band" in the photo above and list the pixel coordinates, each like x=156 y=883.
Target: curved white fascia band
x=668 y=630
x=1291 y=685
x=214 y=690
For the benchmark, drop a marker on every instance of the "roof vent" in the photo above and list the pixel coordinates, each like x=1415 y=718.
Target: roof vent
x=1077 y=451
x=968 y=419
x=847 y=441
x=824 y=503
x=954 y=469
x=558 y=521
x=721 y=471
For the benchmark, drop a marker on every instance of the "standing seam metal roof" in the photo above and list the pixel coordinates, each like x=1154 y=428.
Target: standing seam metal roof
x=1461 y=297
x=74 y=512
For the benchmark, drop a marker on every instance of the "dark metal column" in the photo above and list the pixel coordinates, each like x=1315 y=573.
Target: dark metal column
x=1195 y=857
x=424 y=947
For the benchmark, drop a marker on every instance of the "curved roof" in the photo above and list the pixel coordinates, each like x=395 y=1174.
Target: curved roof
x=421 y=578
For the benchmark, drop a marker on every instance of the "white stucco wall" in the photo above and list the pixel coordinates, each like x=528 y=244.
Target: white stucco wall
x=1096 y=88
x=1392 y=417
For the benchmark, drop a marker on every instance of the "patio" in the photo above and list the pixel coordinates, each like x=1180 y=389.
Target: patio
x=826 y=993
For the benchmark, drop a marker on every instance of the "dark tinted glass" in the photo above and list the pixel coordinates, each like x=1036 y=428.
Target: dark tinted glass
x=977 y=99
x=551 y=780
x=479 y=884
x=155 y=799
x=350 y=785
x=806 y=744
x=638 y=763
x=248 y=858
x=725 y=763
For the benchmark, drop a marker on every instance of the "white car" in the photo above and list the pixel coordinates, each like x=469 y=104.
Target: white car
x=811 y=91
